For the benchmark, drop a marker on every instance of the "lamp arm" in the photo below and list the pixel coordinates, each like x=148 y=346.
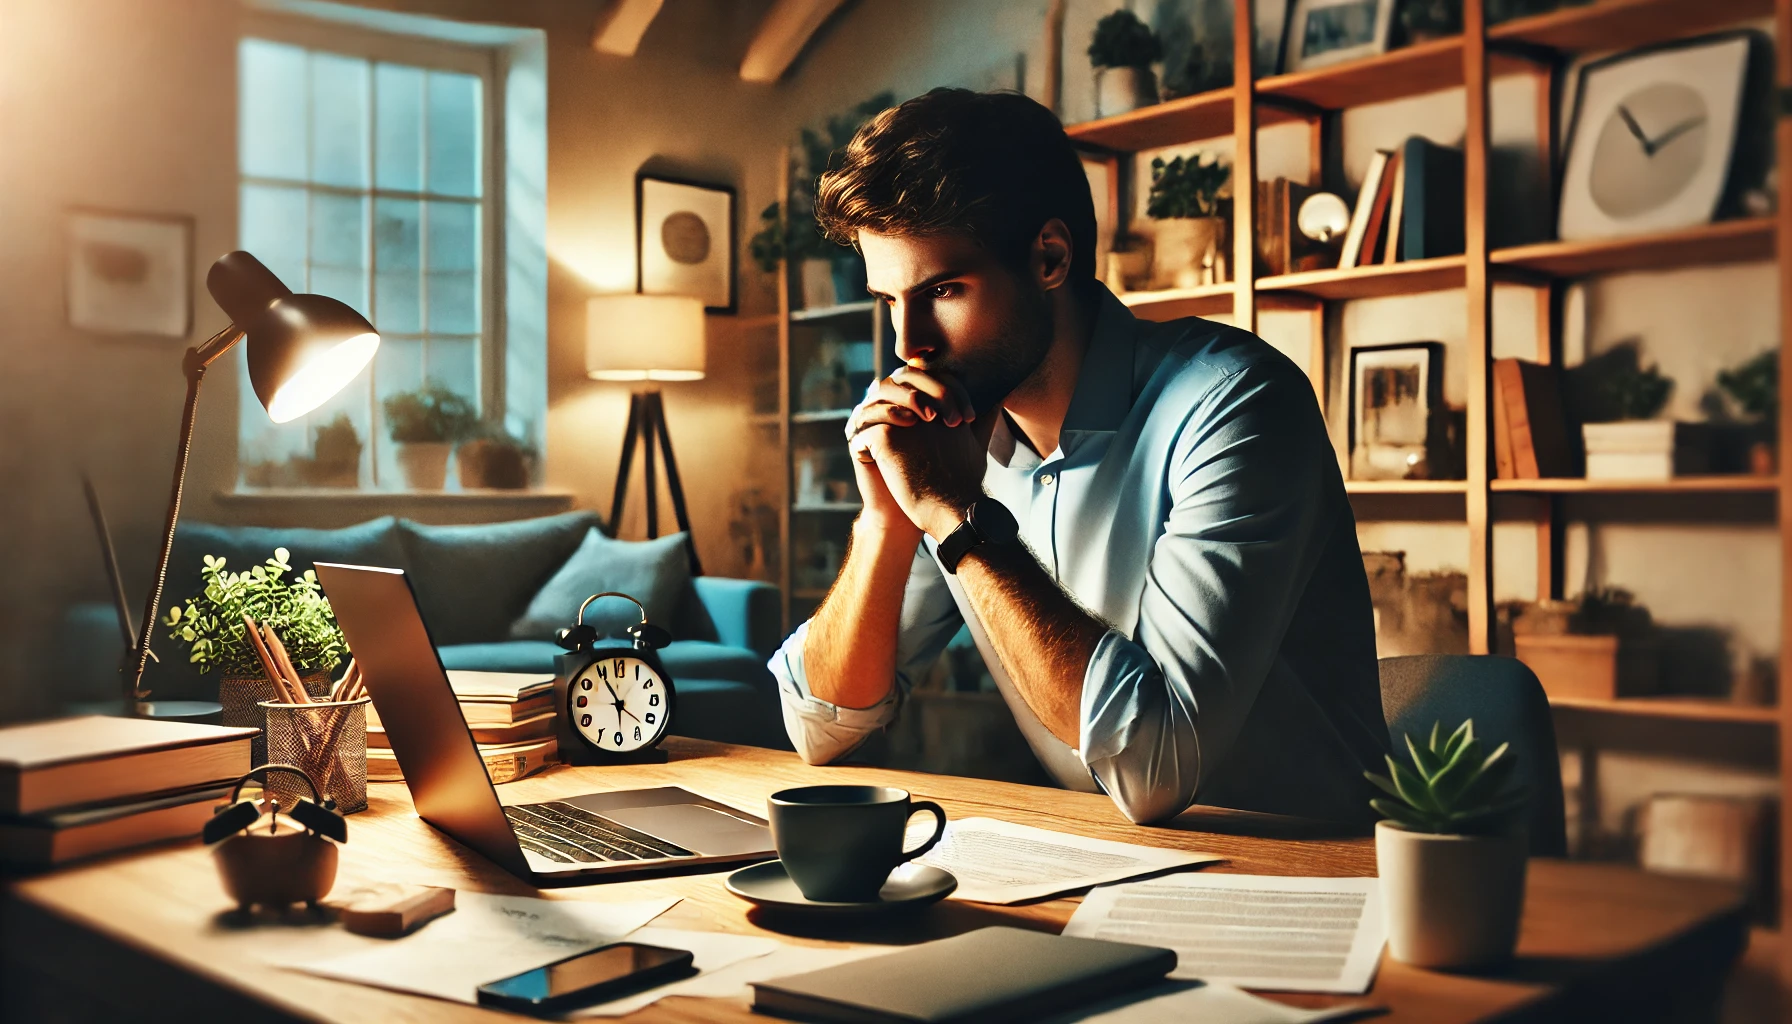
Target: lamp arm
x=194 y=365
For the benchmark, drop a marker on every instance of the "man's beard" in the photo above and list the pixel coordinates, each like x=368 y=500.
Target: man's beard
x=995 y=368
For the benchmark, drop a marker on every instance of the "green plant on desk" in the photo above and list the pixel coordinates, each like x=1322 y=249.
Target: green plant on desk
x=210 y=625
x=1451 y=789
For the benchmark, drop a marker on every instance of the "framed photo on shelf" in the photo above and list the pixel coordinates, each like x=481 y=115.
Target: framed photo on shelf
x=1396 y=392
x=685 y=240
x=1323 y=32
x=129 y=273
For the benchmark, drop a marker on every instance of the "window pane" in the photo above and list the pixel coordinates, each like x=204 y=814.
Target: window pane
x=397 y=366
x=454 y=117
x=397 y=257
x=339 y=120
x=339 y=247
x=271 y=110
x=452 y=267
x=454 y=364
x=398 y=127
x=272 y=227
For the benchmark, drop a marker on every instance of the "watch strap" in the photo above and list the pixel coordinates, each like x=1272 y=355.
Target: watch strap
x=957 y=544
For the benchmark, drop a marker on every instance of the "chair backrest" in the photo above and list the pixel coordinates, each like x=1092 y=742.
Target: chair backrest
x=1508 y=706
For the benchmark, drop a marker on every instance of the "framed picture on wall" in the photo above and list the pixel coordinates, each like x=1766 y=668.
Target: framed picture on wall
x=1395 y=391
x=685 y=240
x=129 y=273
x=1322 y=32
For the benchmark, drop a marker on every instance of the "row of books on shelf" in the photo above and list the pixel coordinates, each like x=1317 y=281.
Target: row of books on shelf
x=511 y=717
x=1409 y=208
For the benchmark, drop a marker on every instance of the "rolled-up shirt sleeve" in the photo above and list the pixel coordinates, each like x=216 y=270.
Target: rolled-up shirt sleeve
x=1248 y=503
x=824 y=732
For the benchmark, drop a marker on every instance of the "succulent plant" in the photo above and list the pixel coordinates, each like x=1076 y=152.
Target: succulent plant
x=1451 y=788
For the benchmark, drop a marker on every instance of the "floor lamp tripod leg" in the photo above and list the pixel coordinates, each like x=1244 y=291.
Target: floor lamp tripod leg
x=626 y=463
x=673 y=483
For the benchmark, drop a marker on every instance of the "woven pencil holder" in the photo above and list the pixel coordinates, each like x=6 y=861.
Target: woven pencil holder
x=329 y=740
x=242 y=697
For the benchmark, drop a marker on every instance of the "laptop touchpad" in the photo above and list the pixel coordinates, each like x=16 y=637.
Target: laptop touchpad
x=696 y=828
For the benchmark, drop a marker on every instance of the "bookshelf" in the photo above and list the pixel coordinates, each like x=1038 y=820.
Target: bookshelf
x=1542 y=47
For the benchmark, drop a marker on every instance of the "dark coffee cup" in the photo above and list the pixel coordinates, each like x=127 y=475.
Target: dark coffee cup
x=839 y=843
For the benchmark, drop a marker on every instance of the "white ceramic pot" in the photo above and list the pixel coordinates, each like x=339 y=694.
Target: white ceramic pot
x=424 y=464
x=1450 y=901
x=1184 y=249
x=1118 y=90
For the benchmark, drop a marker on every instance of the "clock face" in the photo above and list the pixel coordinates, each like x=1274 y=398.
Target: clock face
x=1649 y=150
x=619 y=704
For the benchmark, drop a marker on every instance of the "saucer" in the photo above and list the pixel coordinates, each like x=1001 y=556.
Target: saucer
x=910 y=885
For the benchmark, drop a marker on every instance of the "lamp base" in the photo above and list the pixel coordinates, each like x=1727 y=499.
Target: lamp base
x=206 y=712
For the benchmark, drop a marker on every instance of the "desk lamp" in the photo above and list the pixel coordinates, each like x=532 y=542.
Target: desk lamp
x=301 y=349
x=647 y=338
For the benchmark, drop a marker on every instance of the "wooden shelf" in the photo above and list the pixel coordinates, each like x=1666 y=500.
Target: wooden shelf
x=1173 y=303
x=1622 y=24
x=1206 y=115
x=1731 y=241
x=821 y=416
x=1377 y=279
x=1409 y=71
x=1737 y=483
x=1406 y=487
x=1701 y=709
x=829 y=312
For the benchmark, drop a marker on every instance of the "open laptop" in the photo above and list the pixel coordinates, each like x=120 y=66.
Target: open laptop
x=592 y=837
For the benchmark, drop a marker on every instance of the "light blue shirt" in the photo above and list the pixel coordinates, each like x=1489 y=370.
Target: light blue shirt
x=1195 y=505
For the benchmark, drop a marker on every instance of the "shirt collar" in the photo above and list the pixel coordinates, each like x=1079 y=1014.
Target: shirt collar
x=1104 y=385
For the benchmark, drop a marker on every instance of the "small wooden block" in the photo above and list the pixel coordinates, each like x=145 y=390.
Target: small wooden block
x=390 y=910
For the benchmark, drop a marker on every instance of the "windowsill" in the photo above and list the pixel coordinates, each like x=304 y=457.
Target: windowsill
x=353 y=495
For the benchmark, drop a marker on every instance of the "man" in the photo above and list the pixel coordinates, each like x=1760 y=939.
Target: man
x=1143 y=524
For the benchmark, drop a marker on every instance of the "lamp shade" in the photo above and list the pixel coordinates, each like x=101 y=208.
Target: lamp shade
x=301 y=349
x=644 y=337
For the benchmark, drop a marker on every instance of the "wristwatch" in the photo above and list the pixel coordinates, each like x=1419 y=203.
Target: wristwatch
x=987 y=521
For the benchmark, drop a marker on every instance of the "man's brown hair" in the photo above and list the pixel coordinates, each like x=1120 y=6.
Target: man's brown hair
x=992 y=166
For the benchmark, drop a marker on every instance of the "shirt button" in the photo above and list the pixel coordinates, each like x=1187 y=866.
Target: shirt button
x=1047 y=480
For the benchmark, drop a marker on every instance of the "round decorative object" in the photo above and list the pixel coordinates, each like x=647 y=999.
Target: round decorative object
x=616 y=699
x=1323 y=217
x=685 y=238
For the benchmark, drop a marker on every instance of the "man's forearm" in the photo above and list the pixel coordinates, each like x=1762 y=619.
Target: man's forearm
x=850 y=652
x=1043 y=637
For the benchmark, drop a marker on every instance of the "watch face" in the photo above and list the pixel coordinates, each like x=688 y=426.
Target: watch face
x=619 y=704
x=1650 y=149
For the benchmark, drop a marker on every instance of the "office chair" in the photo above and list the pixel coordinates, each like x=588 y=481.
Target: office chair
x=1508 y=706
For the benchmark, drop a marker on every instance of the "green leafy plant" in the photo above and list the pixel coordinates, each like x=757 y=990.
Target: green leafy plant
x=1186 y=187
x=1123 y=41
x=1451 y=789
x=1615 y=385
x=430 y=414
x=211 y=624
x=1755 y=386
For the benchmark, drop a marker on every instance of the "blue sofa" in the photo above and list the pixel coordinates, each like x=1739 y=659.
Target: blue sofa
x=472 y=583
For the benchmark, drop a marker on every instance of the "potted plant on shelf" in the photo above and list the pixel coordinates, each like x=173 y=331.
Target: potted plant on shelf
x=1617 y=399
x=1451 y=852
x=210 y=627
x=426 y=424
x=1185 y=205
x=821 y=272
x=491 y=458
x=1122 y=52
x=1755 y=388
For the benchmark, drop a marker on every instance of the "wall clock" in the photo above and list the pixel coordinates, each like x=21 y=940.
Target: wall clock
x=614 y=698
x=1652 y=144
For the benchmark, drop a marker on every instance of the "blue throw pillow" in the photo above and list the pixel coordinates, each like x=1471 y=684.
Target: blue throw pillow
x=653 y=572
x=473 y=581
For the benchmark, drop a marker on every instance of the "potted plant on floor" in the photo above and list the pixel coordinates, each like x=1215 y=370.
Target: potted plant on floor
x=1122 y=52
x=1451 y=852
x=426 y=424
x=1755 y=388
x=1189 y=232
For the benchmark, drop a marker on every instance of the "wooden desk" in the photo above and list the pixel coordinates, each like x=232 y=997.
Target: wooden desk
x=137 y=936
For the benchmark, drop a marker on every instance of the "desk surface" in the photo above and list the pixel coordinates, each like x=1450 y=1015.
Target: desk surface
x=1594 y=935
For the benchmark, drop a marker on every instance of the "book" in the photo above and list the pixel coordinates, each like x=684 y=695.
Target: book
x=497 y=686
x=504 y=762
x=1281 y=248
x=1502 y=435
x=1432 y=211
x=988 y=976
x=1390 y=250
x=492 y=712
x=494 y=732
x=72 y=762
x=58 y=837
x=1536 y=427
x=1378 y=212
x=1359 y=217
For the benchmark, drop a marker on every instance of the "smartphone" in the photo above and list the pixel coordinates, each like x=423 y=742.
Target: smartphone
x=585 y=978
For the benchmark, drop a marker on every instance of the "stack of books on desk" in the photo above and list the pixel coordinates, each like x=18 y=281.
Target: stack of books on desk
x=84 y=786
x=511 y=715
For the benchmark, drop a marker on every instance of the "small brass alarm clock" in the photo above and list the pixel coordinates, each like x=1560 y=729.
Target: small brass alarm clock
x=614 y=699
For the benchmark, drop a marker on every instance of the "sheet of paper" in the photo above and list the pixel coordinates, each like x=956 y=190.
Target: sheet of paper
x=1179 y=1002
x=733 y=979
x=1001 y=862
x=1253 y=931
x=486 y=938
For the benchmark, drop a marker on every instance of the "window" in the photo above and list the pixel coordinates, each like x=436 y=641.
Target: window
x=368 y=179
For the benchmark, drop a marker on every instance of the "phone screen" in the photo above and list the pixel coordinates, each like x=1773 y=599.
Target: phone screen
x=598 y=967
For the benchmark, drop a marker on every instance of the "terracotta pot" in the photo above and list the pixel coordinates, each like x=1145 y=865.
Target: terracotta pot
x=424 y=464
x=1118 y=90
x=1183 y=246
x=1450 y=901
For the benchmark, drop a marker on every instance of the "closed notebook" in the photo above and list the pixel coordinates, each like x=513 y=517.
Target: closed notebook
x=989 y=975
x=72 y=762
x=62 y=836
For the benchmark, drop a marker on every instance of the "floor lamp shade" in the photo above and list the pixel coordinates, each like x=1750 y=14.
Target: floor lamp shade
x=301 y=349
x=644 y=337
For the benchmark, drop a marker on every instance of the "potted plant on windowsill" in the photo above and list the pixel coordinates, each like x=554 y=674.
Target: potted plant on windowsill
x=1451 y=852
x=426 y=424
x=1122 y=52
x=492 y=459
x=1189 y=232
x=335 y=459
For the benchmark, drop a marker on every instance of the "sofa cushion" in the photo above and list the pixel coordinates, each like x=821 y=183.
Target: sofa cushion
x=653 y=572
x=472 y=582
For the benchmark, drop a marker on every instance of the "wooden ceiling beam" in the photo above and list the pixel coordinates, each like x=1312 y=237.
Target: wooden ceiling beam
x=786 y=29
x=620 y=29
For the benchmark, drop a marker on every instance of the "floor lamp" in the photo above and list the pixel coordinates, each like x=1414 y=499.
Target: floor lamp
x=301 y=350
x=647 y=338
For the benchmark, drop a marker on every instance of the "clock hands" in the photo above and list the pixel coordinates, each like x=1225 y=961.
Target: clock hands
x=616 y=699
x=1636 y=129
x=1653 y=146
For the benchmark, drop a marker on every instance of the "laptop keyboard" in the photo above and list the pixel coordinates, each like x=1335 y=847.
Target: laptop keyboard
x=569 y=834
